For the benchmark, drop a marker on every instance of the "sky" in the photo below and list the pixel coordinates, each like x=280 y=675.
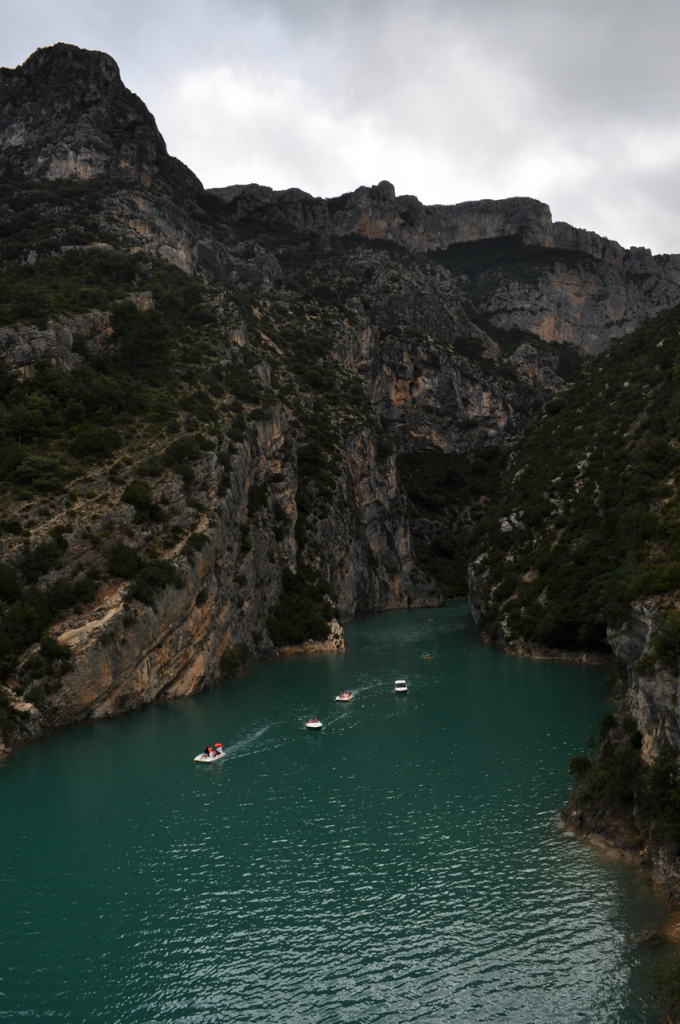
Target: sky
x=574 y=103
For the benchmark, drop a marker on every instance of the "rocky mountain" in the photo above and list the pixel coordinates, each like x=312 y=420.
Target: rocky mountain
x=203 y=414
x=66 y=114
x=507 y=256
x=230 y=420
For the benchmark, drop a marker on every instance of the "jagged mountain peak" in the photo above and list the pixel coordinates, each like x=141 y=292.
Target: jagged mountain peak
x=65 y=113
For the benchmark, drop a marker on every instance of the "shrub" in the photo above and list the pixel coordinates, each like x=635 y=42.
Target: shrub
x=579 y=766
x=45 y=556
x=666 y=645
x=230 y=661
x=124 y=562
x=96 y=443
x=8 y=656
x=151 y=580
x=302 y=613
x=7 y=715
x=43 y=473
x=257 y=499
x=10 y=591
x=52 y=650
x=142 y=337
x=138 y=495
x=193 y=544
x=385 y=447
x=183 y=451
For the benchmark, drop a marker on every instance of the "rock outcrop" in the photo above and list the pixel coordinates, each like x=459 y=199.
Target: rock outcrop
x=586 y=291
x=125 y=659
x=650 y=700
x=377 y=213
x=66 y=114
x=652 y=692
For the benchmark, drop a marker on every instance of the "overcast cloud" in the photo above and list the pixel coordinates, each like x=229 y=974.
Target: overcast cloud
x=573 y=103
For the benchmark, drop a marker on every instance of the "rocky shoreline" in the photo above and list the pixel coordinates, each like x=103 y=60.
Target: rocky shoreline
x=526 y=649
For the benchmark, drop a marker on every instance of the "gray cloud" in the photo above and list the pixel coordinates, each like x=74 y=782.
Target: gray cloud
x=575 y=104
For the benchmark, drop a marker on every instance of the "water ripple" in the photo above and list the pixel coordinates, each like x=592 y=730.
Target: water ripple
x=403 y=866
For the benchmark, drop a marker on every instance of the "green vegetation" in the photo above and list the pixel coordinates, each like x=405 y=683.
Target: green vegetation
x=195 y=542
x=574 y=537
x=448 y=490
x=151 y=580
x=619 y=780
x=487 y=262
x=138 y=494
x=303 y=612
x=124 y=562
x=234 y=658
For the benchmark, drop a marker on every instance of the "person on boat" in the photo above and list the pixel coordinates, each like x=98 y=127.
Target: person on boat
x=206 y=751
x=219 y=748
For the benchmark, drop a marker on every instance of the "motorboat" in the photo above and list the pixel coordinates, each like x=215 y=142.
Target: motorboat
x=400 y=686
x=314 y=724
x=345 y=695
x=204 y=758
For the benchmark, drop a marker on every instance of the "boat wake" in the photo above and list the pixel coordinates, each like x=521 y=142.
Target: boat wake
x=244 y=747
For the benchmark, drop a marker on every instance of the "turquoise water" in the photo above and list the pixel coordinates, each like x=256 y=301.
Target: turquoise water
x=403 y=865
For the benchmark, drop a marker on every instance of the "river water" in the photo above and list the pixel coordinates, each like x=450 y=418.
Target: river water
x=404 y=865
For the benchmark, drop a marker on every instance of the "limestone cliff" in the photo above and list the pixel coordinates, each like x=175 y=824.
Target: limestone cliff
x=638 y=827
x=65 y=114
x=378 y=213
x=126 y=655
x=561 y=283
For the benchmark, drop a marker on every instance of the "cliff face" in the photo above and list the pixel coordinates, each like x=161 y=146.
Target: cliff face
x=641 y=826
x=378 y=213
x=65 y=114
x=607 y=295
x=582 y=288
x=652 y=691
x=126 y=655
x=436 y=379
x=174 y=649
x=227 y=418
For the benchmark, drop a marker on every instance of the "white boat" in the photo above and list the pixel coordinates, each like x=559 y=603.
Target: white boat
x=209 y=758
x=346 y=695
x=314 y=724
x=400 y=686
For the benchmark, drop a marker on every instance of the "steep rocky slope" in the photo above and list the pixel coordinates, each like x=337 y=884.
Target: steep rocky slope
x=519 y=268
x=201 y=413
x=581 y=556
x=231 y=420
x=576 y=537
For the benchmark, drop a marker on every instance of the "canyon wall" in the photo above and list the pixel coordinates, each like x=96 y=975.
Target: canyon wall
x=584 y=289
